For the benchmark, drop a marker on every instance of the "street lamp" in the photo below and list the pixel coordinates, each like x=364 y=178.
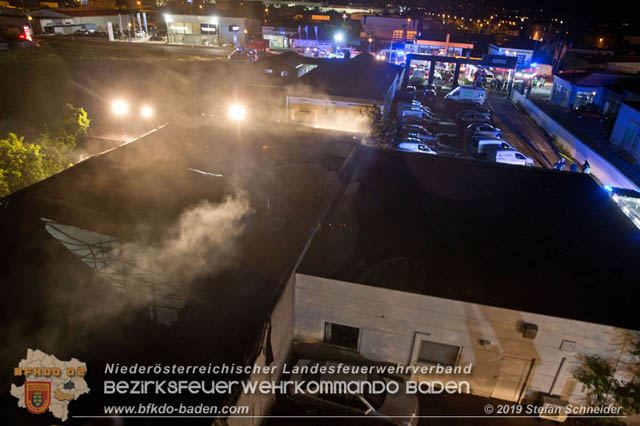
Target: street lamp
x=237 y=112
x=119 y=107
x=338 y=37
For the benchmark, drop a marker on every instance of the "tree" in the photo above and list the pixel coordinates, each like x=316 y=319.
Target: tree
x=603 y=388
x=60 y=139
x=21 y=164
x=383 y=129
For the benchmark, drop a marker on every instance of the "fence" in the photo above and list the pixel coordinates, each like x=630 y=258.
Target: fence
x=601 y=168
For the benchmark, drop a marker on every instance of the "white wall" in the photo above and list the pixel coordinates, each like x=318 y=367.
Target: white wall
x=601 y=168
x=389 y=320
x=281 y=335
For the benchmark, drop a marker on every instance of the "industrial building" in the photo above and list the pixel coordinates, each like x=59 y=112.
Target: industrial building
x=435 y=266
x=522 y=50
x=606 y=90
x=340 y=92
x=625 y=135
x=201 y=30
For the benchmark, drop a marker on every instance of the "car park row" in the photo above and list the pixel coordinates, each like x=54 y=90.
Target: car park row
x=420 y=130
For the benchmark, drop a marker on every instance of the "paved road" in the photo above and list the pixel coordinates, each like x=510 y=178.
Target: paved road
x=521 y=132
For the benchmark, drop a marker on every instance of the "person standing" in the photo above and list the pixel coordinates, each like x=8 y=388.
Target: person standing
x=586 y=167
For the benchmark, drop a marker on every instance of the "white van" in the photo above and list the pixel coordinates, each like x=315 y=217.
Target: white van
x=480 y=146
x=510 y=157
x=467 y=94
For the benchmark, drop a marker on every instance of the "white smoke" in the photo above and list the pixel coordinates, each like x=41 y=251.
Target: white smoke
x=203 y=240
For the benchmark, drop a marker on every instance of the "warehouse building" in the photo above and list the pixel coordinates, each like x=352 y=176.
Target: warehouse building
x=200 y=30
x=625 y=135
x=339 y=93
x=435 y=267
x=607 y=91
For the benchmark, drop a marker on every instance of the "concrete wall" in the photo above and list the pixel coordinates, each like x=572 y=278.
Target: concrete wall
x=281 y=336
x=602 y=169
x=626 y=131
x=326 y=113
x=391 y=321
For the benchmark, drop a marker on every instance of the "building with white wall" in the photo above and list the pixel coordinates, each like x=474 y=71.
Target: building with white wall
x=606 y=90
x=523 y=51
x=203 y=30
x=340 y=92
x=429 y=260
x=625 y=135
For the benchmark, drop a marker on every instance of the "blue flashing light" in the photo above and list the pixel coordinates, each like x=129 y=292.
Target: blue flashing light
x=608 y=188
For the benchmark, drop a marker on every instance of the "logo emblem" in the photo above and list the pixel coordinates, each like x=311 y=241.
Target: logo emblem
x=37 y=396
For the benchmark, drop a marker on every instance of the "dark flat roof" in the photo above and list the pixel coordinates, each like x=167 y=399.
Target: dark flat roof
x=162 y=193
x=615 y=81
x=514 y=237
x=361 y=77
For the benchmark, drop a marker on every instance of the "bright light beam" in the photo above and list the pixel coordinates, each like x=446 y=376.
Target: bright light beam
x=237 y=112
x=146 y=111
x=119 y=107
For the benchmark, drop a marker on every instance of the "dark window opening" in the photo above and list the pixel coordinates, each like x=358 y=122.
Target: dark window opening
x=342 y=335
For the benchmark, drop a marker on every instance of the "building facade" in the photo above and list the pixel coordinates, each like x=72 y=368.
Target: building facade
x=200 y=30
x=626 y=131
x=523 y=55
x=508 y=361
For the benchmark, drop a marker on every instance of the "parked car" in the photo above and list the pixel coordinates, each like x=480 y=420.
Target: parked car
x=475 y=120
x=416 y=113
x=471 y=115
x=424 y=137
x=480 y=146
x=376 y=405
x=482 y=129
x=415 y=147
x=412 y=90
x=414 y=105
x=426 y=123
x=509 y=156
x=416 y=127
x=243 y=55
x=591 y=111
